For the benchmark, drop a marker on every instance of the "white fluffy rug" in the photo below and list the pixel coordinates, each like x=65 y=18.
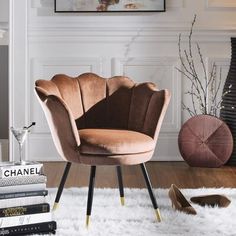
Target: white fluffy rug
x=137 y=217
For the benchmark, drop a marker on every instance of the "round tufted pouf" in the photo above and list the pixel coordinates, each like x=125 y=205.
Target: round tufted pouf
x=205 y=141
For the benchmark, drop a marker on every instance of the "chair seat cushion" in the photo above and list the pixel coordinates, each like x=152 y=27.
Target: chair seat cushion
x=114 y=142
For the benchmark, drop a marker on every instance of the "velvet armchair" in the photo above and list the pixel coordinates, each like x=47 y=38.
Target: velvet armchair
x=97 y=121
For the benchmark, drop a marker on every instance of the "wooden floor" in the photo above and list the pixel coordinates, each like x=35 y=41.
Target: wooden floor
x=162 y=175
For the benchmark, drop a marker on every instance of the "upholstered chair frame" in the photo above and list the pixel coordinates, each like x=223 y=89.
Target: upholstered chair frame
x=98 y=121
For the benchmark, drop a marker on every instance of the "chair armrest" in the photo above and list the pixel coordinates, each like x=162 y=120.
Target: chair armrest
x=62 y=125
x=156 y=110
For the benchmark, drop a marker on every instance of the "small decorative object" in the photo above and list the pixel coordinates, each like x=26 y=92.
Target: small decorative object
x=204 y=140
x=20 y=135
x=109 y=5
x=228 y=110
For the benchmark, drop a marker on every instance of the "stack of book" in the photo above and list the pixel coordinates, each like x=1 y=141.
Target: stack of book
x=23 y=206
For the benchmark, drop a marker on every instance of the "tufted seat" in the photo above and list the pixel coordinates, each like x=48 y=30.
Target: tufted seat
x=99 y=121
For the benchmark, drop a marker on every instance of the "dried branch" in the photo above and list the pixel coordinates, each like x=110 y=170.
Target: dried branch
x=214 y=95
x=204 y=93
x=192 y=98
x=205 y=77
x=187 y=109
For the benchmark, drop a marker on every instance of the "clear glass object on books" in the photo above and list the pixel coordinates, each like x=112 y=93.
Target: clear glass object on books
x=21 y=134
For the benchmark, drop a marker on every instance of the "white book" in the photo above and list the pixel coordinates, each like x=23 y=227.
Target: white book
x=25 y=219
x=10 y=169
x=23 y=188
x=22 y=201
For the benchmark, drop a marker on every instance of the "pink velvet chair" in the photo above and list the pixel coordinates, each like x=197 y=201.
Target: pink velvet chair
x=97 y=121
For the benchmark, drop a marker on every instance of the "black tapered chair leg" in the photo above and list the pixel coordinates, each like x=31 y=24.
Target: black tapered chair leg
x=121 y=186
x=61 y=186
x=90 y=194
x=151 y=194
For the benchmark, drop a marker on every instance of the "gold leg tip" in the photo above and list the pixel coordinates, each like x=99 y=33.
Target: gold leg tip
x=87 y=221
x=158 y=215
x=55 y=206
x=122 y=201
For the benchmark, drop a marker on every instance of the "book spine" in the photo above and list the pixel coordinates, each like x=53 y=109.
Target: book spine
x=30 y=229
x=25 y=210
x=24 y=219
x=23 y=201
x=23 y=180
x=23 y=194
x=22 y=188
x=20 y=170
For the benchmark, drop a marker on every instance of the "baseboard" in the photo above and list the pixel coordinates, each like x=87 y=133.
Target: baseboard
x=167 y=158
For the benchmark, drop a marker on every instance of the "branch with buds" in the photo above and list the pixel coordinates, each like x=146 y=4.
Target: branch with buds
x=203 y=92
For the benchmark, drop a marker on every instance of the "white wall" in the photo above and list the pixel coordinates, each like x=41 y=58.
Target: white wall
x=140 y=45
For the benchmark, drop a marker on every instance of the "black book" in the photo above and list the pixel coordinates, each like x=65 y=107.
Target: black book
x=23 y=194
x=46 y=227
x=24 y=210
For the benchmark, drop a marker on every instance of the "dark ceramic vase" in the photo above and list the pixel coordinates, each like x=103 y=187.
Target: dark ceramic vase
x=228 y=110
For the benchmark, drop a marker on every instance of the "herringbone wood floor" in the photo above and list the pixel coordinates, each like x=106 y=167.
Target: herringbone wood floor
x=162 y=175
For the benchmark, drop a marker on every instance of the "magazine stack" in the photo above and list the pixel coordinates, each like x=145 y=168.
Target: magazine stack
x=23 y=206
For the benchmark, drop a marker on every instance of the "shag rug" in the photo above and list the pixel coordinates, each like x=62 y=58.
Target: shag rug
x=137 y=217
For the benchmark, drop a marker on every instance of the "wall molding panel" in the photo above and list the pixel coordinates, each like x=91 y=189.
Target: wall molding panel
x=143 y=46
x=142 y=35
x=222 y=66
x=47 y=153
x=161 y=71
x=222 y=69
x=219 y=61
x=46 y=68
